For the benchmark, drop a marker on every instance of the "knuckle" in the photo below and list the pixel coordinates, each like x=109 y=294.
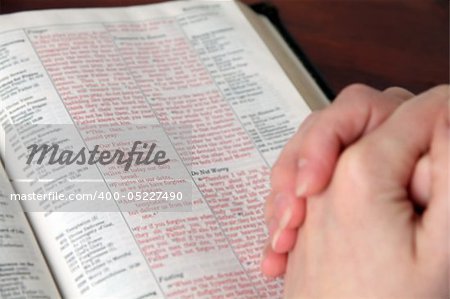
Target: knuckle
x=439 y=97
x=355 y=166
x=309 y=121
x=354 y=92
x=442 y=91
x=397 y=89
x=275 y=174
x=313 y=116
x=397 y=94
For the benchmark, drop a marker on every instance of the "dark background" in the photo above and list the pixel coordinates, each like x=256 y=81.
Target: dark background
x=377 y=42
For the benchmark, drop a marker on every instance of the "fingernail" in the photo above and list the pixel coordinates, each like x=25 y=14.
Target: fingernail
x=302 y=187
x=302 y=184
x=275 y=238
x=284 y=221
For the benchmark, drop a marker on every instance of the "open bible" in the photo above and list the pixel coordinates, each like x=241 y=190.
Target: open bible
x=209 y=84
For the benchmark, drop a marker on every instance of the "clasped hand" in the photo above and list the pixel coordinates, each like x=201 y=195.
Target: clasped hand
x=359 y=206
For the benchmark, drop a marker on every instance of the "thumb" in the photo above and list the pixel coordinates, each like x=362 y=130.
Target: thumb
x=433 y=231
x=385 y=159
x=420 y=187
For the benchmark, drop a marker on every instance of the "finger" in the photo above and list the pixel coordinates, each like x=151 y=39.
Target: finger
x=284 y=171
x=435 y=221
x=283 y=240
x=420 y=187
x=288 y=211
x=356 y=111
x=273 y=264
x=398 y=92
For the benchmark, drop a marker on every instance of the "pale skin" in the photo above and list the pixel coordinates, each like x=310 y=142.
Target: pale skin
x=359 y=206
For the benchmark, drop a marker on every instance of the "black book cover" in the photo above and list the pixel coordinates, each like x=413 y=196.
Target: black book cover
x=271 y=12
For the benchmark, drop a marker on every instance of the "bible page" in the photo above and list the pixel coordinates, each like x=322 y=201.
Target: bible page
x=199 y=78
x=23 y=271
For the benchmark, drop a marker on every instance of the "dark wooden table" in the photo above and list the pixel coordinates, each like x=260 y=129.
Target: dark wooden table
x=377 y=42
